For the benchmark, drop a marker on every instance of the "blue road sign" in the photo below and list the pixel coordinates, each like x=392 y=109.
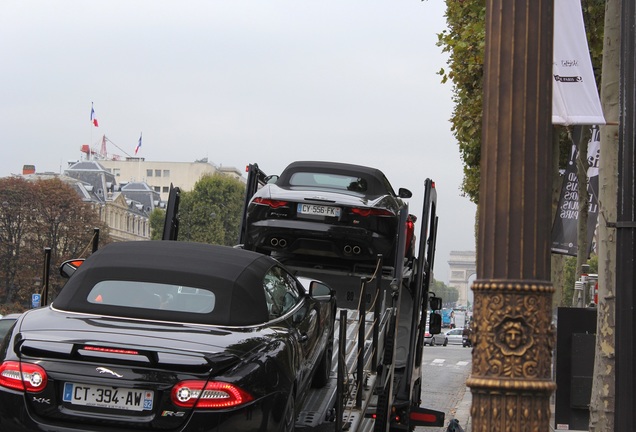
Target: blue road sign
x=35 y=300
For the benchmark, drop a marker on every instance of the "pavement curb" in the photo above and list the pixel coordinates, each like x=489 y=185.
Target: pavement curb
x=463 y=410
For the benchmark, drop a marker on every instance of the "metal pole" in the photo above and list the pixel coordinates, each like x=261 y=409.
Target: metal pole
x=625 y=414
x=361 y=319
x=513 y=337
x=45 y=276
x=376 y=314
x=95 y=239
x=342 y=348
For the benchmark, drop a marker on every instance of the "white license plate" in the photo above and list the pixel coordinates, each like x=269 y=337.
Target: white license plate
x=108 y=397
x=318 y=210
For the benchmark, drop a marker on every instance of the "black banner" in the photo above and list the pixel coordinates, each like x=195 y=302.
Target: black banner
x=565 y=227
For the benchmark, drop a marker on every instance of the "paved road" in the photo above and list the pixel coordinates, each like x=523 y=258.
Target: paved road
x=445 y=370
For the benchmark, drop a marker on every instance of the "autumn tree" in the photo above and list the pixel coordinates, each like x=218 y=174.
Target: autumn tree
x=16 y=221
x=38 y=215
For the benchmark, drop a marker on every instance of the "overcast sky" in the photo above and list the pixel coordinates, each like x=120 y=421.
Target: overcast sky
x=238 y=82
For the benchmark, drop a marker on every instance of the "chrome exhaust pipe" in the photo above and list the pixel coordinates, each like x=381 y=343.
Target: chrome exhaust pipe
x=357 y=250
x=347 y=249
x=282 y=242
x=274 y=241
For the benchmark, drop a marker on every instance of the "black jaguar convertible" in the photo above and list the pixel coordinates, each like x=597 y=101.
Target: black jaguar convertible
x=328 y=211
x=172 y=336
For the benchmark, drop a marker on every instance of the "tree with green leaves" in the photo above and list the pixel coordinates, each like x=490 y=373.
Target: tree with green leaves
x=464 y=42
x=211 y=212
x=449 y=295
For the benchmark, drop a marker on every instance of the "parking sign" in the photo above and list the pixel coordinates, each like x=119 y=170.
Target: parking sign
x=35 y=300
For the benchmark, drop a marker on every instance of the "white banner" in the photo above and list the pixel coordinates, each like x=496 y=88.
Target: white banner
x=575 y=98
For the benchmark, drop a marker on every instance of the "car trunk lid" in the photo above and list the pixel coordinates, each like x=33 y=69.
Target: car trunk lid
x=118 y=372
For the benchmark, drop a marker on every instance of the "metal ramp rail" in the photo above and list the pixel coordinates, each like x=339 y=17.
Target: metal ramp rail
x=320 y=405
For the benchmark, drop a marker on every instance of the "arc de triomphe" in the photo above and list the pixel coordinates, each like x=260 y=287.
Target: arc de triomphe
x=462 y=267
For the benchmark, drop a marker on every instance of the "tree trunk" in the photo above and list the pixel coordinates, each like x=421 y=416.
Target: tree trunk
x=557 y=260
x=603 y=385
x=584 y=202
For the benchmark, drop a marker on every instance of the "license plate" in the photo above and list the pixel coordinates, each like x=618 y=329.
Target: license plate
x=318 y=210
x=108 y=397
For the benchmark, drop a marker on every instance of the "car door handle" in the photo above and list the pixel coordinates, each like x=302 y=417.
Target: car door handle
x=303 y=338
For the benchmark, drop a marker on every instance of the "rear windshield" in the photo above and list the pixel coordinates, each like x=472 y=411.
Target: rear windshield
x=150 y=295
x=329 y=181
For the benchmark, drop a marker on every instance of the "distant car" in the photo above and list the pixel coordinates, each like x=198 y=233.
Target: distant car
x=328 y=211
x=455 y=336
x=6 y=321
x=432 y=340
x=167 y=335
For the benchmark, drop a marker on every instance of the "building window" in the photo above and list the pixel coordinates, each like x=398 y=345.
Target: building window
x=157 y=188
x=157 y=173
x=148 y=173
x=166 y=173
x=117 y=172
x=166 y=189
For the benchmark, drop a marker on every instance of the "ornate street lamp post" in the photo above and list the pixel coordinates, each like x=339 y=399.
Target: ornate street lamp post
x=513 y=336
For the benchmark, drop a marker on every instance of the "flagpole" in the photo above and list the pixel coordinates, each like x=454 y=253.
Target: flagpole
x=139 y=158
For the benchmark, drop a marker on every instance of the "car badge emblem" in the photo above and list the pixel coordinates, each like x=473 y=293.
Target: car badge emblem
x=103 y=370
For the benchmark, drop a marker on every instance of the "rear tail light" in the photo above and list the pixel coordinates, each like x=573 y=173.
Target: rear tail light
x=366 y=212
x=270 y=202
x=22 y=376
x=214 y=394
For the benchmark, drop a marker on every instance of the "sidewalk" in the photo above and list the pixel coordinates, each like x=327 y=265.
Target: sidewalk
x=463 y=410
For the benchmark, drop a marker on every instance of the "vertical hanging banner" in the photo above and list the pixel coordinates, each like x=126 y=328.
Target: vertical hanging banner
x=565 y=227
x=575 y=98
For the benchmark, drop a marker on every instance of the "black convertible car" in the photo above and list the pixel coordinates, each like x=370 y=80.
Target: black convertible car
x=173 y=336
x=334 y=211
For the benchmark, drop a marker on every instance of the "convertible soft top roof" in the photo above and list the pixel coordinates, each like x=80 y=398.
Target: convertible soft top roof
x=377 y=181
x=234 y=275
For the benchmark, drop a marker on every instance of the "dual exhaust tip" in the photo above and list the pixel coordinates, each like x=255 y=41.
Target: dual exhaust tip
x=282 y=243
x=278 y=242
x=348 y=249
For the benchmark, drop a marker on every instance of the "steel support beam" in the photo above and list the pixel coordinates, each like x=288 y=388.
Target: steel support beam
x=513 y=336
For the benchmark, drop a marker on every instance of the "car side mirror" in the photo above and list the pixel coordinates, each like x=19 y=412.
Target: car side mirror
x=320 y=291
x=404 y=193
x=436 y=303
x=435 y=323
x=271 y=179
x=67 y=268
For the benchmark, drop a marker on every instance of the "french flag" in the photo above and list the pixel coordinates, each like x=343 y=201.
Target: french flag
x=138 y=144
x=93 y=118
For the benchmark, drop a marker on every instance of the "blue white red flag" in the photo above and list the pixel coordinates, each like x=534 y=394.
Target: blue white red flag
x=138 y=144
x=93 y=118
